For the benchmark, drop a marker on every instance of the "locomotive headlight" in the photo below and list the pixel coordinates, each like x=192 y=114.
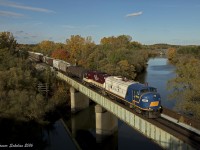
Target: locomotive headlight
x=145 y=100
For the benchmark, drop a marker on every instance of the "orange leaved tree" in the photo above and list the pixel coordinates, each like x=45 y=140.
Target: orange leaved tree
x=60 y=54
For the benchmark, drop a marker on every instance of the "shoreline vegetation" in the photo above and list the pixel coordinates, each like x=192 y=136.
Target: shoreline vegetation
x=186 y=85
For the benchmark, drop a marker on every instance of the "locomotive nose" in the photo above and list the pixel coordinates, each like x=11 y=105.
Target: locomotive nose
x=156 y=100
x=153 y=99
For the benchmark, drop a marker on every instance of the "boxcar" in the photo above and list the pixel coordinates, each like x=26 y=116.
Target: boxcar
x=49 y=60
x=56 y=63
x=36 y=56
x=76 y=71
x=63 y=65
x=96 y=78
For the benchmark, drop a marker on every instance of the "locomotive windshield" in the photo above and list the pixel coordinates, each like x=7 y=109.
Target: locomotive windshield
x=145 y=90
x=152 y=89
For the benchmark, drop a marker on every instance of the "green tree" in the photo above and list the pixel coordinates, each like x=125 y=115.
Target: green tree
x=46 y=47
x=8 y=41
x=186 y=85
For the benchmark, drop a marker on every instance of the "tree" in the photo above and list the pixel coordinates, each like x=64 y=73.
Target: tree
x=116 y=42
x=46 y=47
x=75 y=45
x=125 y=69
x=7 y=40
x=171 y=53
x=61 y=54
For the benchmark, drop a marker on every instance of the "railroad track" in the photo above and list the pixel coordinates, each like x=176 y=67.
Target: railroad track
x=182 y=133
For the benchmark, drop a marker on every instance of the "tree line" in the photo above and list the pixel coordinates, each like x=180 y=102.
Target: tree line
x=186 y=85
x=115 y=55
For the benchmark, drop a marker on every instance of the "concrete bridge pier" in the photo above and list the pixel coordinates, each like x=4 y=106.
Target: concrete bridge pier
x=78 y=100
x=106 y=123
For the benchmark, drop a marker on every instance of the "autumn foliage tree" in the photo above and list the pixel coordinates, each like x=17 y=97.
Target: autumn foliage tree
x=46 y=47
x=61 y=54
x=75 y=45
x=171 y=52
x=80 y=48
x=116 y=42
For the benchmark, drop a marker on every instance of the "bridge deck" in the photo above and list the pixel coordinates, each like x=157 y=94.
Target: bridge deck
x=158 y=135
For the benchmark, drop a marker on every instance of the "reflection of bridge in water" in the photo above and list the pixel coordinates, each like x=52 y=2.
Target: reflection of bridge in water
x=163 y=132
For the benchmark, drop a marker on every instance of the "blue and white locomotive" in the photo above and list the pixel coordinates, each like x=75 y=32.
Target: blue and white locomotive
x=142 y=97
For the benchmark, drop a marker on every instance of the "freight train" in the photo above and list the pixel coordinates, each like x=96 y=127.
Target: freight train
x=142 y=98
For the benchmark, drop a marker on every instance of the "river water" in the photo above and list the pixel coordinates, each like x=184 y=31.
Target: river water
x=81 y=126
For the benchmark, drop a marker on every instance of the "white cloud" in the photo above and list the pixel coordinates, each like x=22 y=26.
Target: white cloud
x=20 y=6
x=134 y=14
x=69 y=26
x=10 y=14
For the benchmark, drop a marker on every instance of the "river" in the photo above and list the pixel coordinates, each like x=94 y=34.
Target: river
x=81 y=126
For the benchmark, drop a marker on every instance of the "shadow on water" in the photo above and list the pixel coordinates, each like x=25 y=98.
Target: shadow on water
x=176 y=144
x=21 y=134
x=34 y=135
x=82 y=127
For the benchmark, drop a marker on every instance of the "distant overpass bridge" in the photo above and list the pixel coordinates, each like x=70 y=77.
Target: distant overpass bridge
x=163 y=132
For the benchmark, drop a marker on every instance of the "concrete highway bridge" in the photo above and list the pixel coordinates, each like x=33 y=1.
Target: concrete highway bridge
x=163 y=131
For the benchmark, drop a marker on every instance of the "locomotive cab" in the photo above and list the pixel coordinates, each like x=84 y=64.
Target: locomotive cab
x=149 y=101
x=146 y=99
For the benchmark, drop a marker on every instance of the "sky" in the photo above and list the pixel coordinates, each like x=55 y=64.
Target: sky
x=146 y=21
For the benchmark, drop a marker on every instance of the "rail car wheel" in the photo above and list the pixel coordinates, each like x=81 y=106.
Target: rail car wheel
x=145 y=114
x=131 y=106
x=87 y=84
x=103 y=92
x=138 y=110
x=112 y=97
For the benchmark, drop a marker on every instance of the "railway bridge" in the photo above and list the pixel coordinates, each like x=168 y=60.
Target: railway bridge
x=163 y=132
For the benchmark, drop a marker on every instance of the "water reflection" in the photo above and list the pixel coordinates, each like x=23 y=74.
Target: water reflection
x=82 y=126
x=159 y=72
x=83 y=129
